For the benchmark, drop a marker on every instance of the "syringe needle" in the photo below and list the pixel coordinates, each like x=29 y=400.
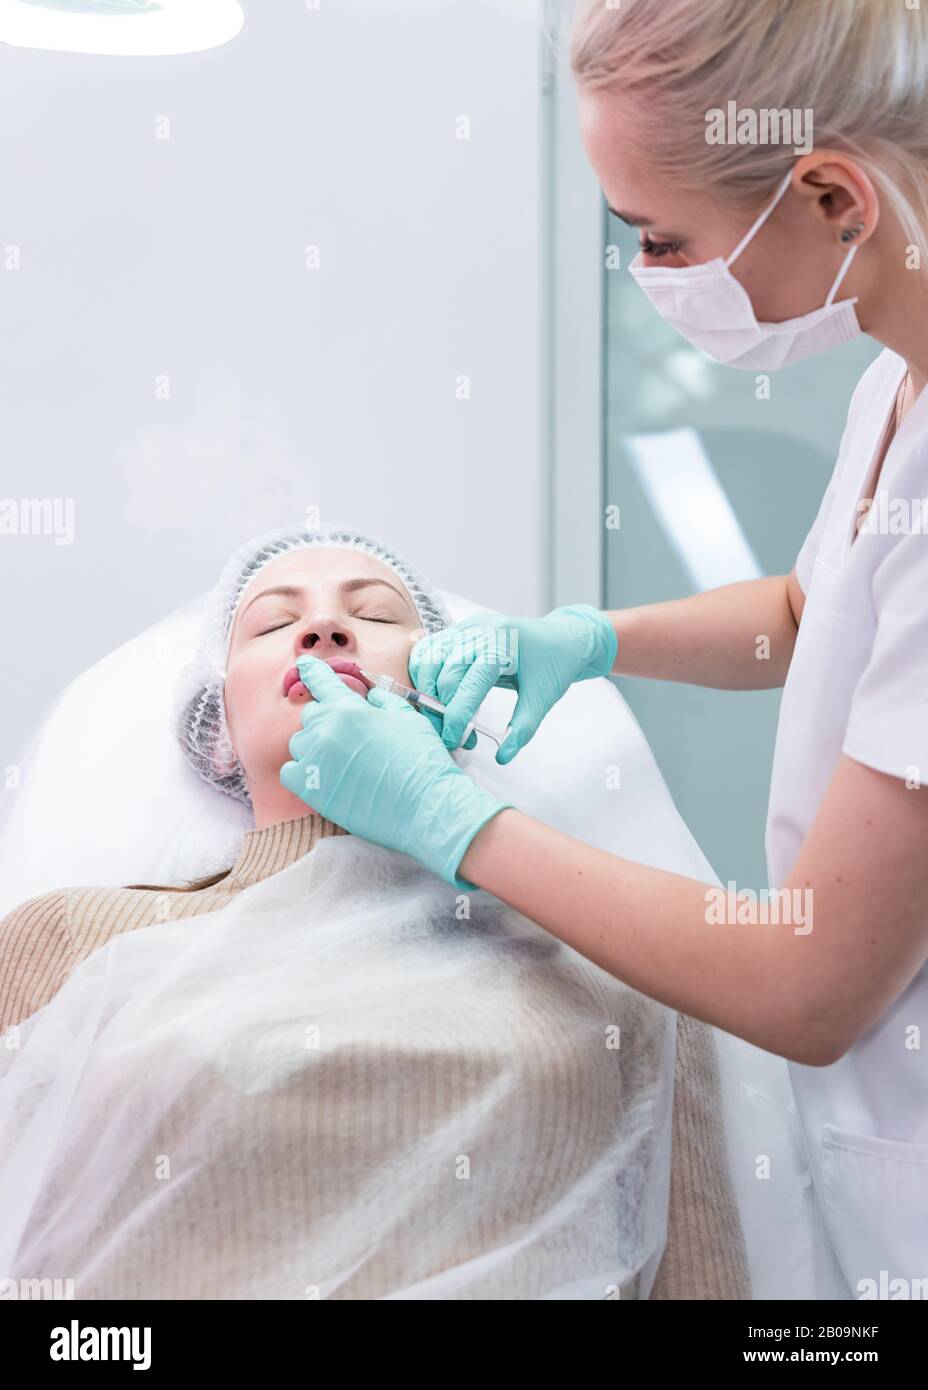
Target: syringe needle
x=420 y=700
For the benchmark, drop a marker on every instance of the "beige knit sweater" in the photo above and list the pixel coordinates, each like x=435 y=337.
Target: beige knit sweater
x=45 y=939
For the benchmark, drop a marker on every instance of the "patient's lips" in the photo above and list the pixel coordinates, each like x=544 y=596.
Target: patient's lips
x=350 y=672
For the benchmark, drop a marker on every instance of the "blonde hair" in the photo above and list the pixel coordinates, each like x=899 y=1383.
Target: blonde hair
x=858 y=65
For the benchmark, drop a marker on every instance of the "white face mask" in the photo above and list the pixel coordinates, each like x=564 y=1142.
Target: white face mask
x=713 y=311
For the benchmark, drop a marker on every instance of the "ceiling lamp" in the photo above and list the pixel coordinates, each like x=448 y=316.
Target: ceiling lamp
x=126 y=28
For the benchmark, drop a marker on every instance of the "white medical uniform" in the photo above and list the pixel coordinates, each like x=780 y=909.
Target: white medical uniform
x=858 y=684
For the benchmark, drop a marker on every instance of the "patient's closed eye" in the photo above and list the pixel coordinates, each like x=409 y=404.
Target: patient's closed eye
x=365 y=617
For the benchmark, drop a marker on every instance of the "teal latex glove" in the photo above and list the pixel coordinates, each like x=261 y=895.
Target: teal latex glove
x=539 y=657
x=380 y=770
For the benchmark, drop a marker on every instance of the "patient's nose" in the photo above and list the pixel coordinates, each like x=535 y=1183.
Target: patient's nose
x=324 y=638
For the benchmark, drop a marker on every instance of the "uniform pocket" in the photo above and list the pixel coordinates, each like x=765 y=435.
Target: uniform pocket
x=875 y=1201
x=833 y=602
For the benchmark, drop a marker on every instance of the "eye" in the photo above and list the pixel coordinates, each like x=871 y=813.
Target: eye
x=658 y=248
x=364 y=617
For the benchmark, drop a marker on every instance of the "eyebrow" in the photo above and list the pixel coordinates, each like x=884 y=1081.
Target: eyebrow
x=297 y=591
x=634 y=221
x=630 y=218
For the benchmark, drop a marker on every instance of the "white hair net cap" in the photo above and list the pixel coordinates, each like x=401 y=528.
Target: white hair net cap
x=199 y=707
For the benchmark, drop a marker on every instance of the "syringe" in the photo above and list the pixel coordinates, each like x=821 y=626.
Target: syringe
x=419 y=700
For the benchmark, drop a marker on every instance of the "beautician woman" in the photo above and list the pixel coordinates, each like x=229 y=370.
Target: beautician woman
x=762 y=258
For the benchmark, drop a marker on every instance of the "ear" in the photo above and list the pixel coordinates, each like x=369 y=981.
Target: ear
x=842 y=191
x=225 y=757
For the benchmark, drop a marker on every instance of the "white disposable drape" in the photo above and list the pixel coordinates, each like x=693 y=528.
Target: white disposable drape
x=350 y=1082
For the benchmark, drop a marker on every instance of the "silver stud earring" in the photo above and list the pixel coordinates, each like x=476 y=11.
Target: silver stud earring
x=849 y=233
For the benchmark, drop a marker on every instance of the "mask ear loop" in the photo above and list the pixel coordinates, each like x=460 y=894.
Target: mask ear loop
x=761 y=220
x=845 y=266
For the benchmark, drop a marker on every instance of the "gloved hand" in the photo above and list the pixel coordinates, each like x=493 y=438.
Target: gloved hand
x=379 y=769
x=539 y=657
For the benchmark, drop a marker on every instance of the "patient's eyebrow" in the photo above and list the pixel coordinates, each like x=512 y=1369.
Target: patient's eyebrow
x=297 y=591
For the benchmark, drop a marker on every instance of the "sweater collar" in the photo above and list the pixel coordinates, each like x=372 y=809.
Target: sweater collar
x=268 y=850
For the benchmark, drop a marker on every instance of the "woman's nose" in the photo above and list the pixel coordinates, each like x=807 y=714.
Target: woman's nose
x=324 y=636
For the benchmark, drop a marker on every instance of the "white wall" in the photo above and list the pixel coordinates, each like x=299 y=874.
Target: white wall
x=289 y=388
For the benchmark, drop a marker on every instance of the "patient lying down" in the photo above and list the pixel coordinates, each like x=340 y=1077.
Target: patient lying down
x=324 y=1072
